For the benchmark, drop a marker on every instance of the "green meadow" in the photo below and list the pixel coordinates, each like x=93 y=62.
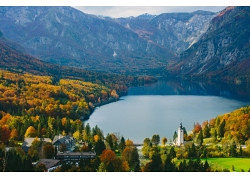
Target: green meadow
x=232 y=164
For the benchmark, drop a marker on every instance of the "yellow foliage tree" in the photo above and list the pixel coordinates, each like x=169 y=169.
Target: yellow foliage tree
x=77 y=135
x=85 y=135
x=64 y=133
x=30 y=132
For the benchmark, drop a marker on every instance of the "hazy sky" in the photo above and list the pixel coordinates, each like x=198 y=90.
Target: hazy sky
x=126 y=11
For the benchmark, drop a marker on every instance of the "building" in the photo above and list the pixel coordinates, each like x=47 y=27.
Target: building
x=28 y=142
x=68 y=141
x=180 y=136
x=50 y=164
x=75 y=156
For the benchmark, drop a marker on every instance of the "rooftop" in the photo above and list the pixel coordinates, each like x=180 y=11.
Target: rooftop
x=28 y=141
x=76 y=153
x=62 y=139
x=49 y=163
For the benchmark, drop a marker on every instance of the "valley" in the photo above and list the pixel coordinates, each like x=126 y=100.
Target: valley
x=80 y=92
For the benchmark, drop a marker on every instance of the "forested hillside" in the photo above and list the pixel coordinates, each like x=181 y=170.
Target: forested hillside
x=230 y=127
x=48 y=107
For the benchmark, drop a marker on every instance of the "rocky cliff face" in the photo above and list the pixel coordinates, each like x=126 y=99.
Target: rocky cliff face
x=173 y=31
x=223 y=50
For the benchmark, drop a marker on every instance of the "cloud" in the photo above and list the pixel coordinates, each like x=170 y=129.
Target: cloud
x=126 y=11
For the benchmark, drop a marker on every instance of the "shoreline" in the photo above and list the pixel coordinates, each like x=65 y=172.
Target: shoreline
x=110 y=100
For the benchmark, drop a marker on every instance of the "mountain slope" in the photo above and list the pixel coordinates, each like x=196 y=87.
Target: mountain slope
x=223 y=52
x=67 y=36
x=173 y=31
x=11 y=58
x=15 y=60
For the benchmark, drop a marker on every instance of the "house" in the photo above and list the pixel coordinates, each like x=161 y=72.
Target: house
x=50 y=164
x=28 y=142
x=68 y=141
x=75 y=156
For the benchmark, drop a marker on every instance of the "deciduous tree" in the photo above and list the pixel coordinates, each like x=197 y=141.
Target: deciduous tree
x=130 y=154
x=30 y=132
x=5 y=133
x=155 y=139
x=164 y=141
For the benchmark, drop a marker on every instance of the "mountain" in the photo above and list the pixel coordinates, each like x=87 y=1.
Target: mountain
x=173 y=31
x=66 y=36
x=12 y=59
x=197 y=44
x=222 y=52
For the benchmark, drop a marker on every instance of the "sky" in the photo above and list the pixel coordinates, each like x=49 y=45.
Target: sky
x=126 y=11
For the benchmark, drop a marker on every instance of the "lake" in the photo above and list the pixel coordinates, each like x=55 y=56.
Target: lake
x=159 y=108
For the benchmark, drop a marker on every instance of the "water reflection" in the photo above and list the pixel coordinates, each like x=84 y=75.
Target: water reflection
x=177 y=87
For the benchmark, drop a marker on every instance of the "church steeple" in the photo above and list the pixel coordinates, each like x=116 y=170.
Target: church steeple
x=181 y=126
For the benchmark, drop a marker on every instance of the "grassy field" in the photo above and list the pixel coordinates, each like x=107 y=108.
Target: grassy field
x=227 y=163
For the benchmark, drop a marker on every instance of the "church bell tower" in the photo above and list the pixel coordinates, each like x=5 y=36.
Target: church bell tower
x=180 y=137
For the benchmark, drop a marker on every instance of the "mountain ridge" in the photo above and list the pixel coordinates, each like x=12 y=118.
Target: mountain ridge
x=66 y=36
x=199 y=44
x=175 y=31
x=222 y=49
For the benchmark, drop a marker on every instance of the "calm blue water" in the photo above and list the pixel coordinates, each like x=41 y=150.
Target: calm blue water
x=139 y=116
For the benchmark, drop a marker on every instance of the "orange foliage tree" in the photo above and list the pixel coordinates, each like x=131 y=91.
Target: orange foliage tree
x=5 y=133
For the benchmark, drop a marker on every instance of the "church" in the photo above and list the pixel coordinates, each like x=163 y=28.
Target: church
x=180 y=136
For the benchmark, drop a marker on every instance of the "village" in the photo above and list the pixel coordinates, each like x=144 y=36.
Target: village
x=92 y=151
x=64 y=146
x=67 y=149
